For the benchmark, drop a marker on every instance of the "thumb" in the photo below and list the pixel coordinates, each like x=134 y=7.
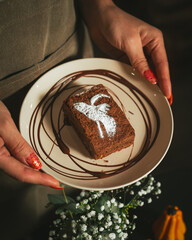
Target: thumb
x=134 y=51
x=17 y=145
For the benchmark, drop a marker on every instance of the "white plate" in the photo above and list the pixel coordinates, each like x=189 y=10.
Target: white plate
x=143 y=103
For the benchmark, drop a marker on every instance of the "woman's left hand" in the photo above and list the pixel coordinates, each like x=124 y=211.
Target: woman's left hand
x=17 y=158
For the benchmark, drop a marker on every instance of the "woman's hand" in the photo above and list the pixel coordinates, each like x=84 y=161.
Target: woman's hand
x=17 y=158
x=127 y=38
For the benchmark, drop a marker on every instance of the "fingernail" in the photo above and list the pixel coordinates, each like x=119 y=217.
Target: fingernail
x=170 y=100
x=57 y=187
x=149 y=75
x=33 y=161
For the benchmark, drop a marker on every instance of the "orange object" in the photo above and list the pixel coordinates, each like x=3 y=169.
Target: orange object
x=170 y=225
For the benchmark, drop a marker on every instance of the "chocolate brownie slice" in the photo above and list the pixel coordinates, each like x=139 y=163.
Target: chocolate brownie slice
x=99 y=121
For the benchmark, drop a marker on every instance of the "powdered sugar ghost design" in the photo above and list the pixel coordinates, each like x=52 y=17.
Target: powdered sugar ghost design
x=98 y=114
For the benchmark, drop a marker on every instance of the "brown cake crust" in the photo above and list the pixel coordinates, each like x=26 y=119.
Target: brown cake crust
x=87 y=129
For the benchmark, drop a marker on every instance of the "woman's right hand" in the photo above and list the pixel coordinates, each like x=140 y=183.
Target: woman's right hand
x=17 y=158
x=128 y=39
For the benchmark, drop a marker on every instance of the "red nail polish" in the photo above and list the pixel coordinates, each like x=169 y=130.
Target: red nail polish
x=58 y=187
x=33 y=161
x=170 y=99
x=149 y=75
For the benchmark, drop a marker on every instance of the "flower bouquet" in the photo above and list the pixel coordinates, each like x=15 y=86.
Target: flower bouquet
x=101 y=215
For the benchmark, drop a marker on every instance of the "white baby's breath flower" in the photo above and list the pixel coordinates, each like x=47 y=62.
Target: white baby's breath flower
x=148 y=189
x=138 y=183
x=121 y=205
x=93 y=213
x=84 y=227
x=84 y=218
x=158 y=184
x=78 y=198
x=106 y=226
x=77 y=205
x=140 y=203
x=99 y=194
x=115 y=215
x=124 y=226
x=88 y=207
x=121 y=234
x=133 y=226
x=109 y=223
x=132 y=192
x=73 y=224
x=63 y=216
x=115 y=204
x=94 y=196
x=158 y=192
x=102 y=207
x=112 y=236
x=140 y=193
x=82 y=194
x=85 y=201
x=101 y=229
x=119 y=220
x=108 y=203
x=85 y=234
x=117 y=227
x=89 y=237
x=144 y=192
x=100 y=216
x=125 y=235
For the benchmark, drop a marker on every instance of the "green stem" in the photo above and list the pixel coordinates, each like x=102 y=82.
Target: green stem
x=66 y=200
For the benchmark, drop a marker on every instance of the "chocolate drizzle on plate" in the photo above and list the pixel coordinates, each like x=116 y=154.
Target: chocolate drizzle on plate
x=46 y=122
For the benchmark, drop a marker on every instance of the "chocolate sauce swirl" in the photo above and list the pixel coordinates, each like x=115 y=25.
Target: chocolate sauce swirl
x=44 y=112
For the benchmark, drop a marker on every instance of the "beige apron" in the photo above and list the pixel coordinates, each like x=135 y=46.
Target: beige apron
x=35 y=36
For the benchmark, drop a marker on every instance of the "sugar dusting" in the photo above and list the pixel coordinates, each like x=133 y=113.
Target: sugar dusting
x=98 y=114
